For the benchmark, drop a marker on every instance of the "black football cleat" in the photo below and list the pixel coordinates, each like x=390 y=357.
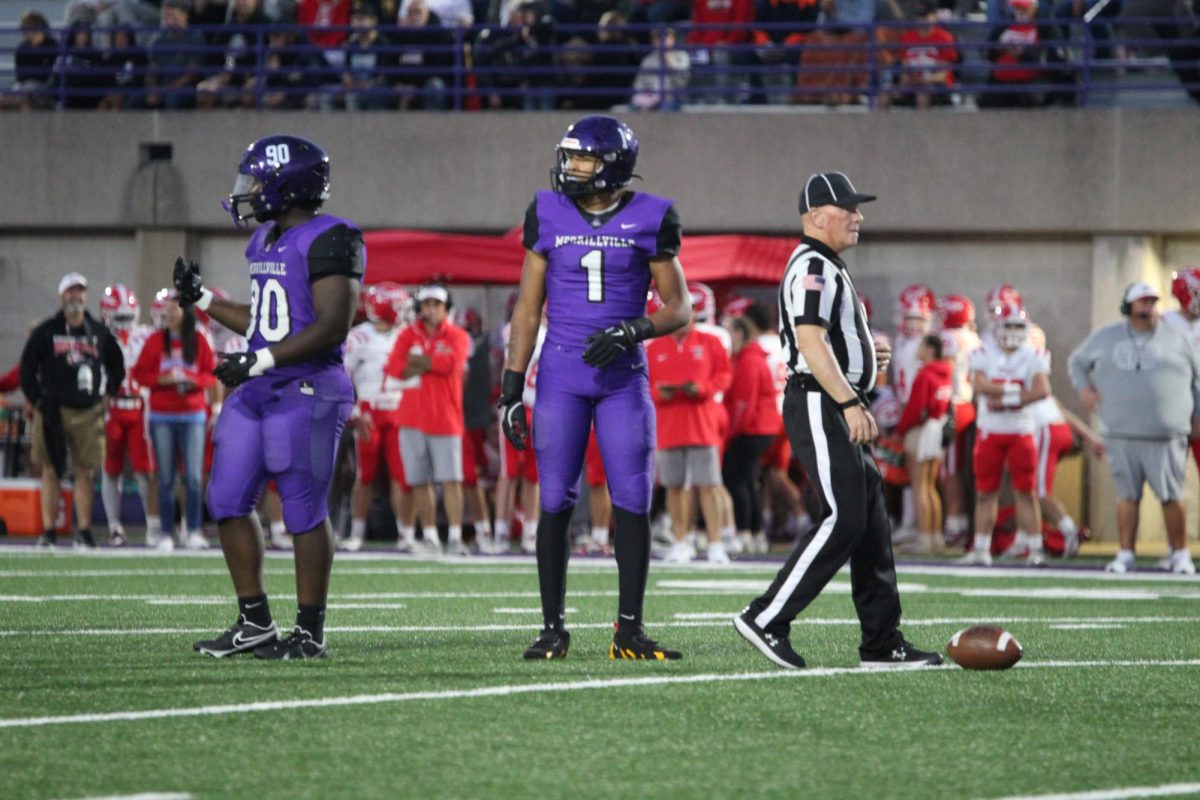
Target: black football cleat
x=242 y=637
x=299 y=645
x=84 y=540
x=550 y=643
x=774 y=646
x=902 y=655
x=636 y=645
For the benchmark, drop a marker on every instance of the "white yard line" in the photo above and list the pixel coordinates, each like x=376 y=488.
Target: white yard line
x=144 y=796
x=508 y=690
x=719 y=620
x=1165 y=790
x=527 y=611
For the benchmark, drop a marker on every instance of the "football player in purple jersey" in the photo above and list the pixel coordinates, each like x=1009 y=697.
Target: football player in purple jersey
x=293 y=396
x=592 y=247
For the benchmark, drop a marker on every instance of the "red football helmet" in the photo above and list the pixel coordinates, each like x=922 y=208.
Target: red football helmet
x=704 y=301
x=916 y=296
x=1004 y=293
x=957 y=311
x=1010 y=325
x=119 y=307
x=388 y=302
x=736 y=307
x=158 y=310
x=1185 y=286
x=653 y=302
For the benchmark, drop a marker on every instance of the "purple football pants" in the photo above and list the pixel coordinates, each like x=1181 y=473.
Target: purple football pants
x=287 y=430
x=569 y=394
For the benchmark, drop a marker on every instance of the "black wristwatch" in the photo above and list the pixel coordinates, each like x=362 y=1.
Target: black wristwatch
x=851 y=403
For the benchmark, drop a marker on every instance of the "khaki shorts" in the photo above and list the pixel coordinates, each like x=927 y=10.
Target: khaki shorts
x=689 y=465
x=430 y=459
x=1136 y=462
x=84 y=432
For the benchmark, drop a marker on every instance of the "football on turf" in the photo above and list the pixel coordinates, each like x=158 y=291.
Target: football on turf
x=984 y=647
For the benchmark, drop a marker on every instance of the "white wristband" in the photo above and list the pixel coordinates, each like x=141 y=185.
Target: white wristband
x=206 y=297
x=263 y=361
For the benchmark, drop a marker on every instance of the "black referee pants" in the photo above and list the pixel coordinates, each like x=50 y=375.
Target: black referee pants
x=851 y=523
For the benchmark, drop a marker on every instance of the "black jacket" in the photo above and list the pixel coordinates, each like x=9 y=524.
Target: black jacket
x=53 y=362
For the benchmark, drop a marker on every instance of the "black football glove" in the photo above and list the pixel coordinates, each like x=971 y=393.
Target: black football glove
x=604 y=346
x=512 y=409
x=236 y=368
x=188 y=282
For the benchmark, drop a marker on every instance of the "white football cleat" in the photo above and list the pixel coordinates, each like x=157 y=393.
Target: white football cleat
x=974 y=558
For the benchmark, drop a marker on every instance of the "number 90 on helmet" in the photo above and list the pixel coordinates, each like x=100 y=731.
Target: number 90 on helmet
x=607 y=139
x=278 y=173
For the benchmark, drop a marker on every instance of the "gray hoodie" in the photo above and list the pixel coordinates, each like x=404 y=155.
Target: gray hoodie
x=1149 y=384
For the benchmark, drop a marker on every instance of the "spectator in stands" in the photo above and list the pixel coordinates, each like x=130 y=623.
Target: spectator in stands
x=659 y=12
x=236 y=48
x=614 y=61
x=424 y=57
x=176 y=363
x=1143 y=378
x=80 y=70
x=292 y=69
x=67 y=361
x=717 y=46
x=34 y=63
x=175 y=60
x=125 y=63
x=754 y=422
x=1099 y=29
x=833 y=63
x=328 y=20
x=786 y=26
x=1019 y=57
x=928 y=55
x=431 y=414
x=687 y=368
x=663 y=76
x=367 y=58
x=516 y=64
x=453 y=13
x=922 y=426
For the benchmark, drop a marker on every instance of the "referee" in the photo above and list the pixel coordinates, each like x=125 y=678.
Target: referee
x=832 y=362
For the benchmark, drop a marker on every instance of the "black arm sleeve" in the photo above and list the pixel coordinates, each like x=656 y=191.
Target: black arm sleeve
x=670 y=235
x=530 y=237
x=337 y=251
x=114 y=363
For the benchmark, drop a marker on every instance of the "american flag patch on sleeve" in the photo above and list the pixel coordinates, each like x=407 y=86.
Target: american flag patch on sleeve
x=814 y=283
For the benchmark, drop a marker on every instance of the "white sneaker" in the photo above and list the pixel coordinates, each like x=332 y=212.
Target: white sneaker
x=1164 y=563
x=1019 y=547
x=281 y=541
x=166 y=544
x=761 y=545
x=974 y=558
x=457 y=547
x=431 y=547
x=717 y=554
x=1120 y=565
x=904 y=534
x=1070 y=545
x=1035 y=559
x=404 y=545
x=1181 y=563
x=153 y=537
x=680 y=553
x=196 y=541
x=529 y=542
x=500 y=545
x=351 y=544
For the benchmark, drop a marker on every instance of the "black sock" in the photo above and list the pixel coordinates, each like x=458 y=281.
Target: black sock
x=255 y=610
x=631 y=546
x=553 y=550
x=312 y=619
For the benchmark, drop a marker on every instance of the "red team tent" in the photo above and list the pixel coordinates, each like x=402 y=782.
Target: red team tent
x=410 y=257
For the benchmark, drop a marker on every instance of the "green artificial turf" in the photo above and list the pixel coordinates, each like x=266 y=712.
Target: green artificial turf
x=89 y=634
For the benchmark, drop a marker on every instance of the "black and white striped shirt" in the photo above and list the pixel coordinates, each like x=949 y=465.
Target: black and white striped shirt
x=817 y=290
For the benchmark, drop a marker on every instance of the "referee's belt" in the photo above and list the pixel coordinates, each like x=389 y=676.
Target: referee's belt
x=807 y=383
x=127 y=403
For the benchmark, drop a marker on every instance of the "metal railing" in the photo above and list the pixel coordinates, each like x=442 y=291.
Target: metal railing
x=568 y=67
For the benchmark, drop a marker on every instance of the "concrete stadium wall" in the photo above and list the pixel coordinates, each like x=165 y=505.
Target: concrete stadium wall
x=1068 y=205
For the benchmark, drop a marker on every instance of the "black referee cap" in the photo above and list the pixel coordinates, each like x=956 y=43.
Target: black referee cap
x=830 y=189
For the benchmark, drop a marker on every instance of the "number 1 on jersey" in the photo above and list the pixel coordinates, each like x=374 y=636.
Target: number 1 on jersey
x=593 y=262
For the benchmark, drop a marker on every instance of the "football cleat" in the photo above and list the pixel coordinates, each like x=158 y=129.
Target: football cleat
x=1121 y=564
x=84 y=540
x=773 y=646
x=117 y=539
x=299 y=645
x=550 y=643
x=242 y=637
x=47 y=539
x=902 y=656
x=636 y=645
x=974 y=558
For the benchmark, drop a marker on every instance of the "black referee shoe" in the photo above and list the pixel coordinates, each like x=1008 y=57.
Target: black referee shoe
x=902 y=655
x=776 y=648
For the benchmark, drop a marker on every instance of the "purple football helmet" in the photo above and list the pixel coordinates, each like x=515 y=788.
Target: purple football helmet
x=606 y=138
x=278 y=173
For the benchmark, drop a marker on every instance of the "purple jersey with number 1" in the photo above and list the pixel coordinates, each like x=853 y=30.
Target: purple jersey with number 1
x=597 y=274
x=285 y=424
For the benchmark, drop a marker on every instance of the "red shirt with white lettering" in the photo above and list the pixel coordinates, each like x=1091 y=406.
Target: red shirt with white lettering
x=434 y=406
x=699 y=358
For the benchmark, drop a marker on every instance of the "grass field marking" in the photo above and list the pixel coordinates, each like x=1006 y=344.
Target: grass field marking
x=528 y=611
x=144 y=796
x=1087 y=626
x=715 y=620
x=1165 y=790
x=507 y=690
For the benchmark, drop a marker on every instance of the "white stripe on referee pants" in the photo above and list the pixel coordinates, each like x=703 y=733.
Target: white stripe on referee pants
x=1041 y=438
x=821 y=446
